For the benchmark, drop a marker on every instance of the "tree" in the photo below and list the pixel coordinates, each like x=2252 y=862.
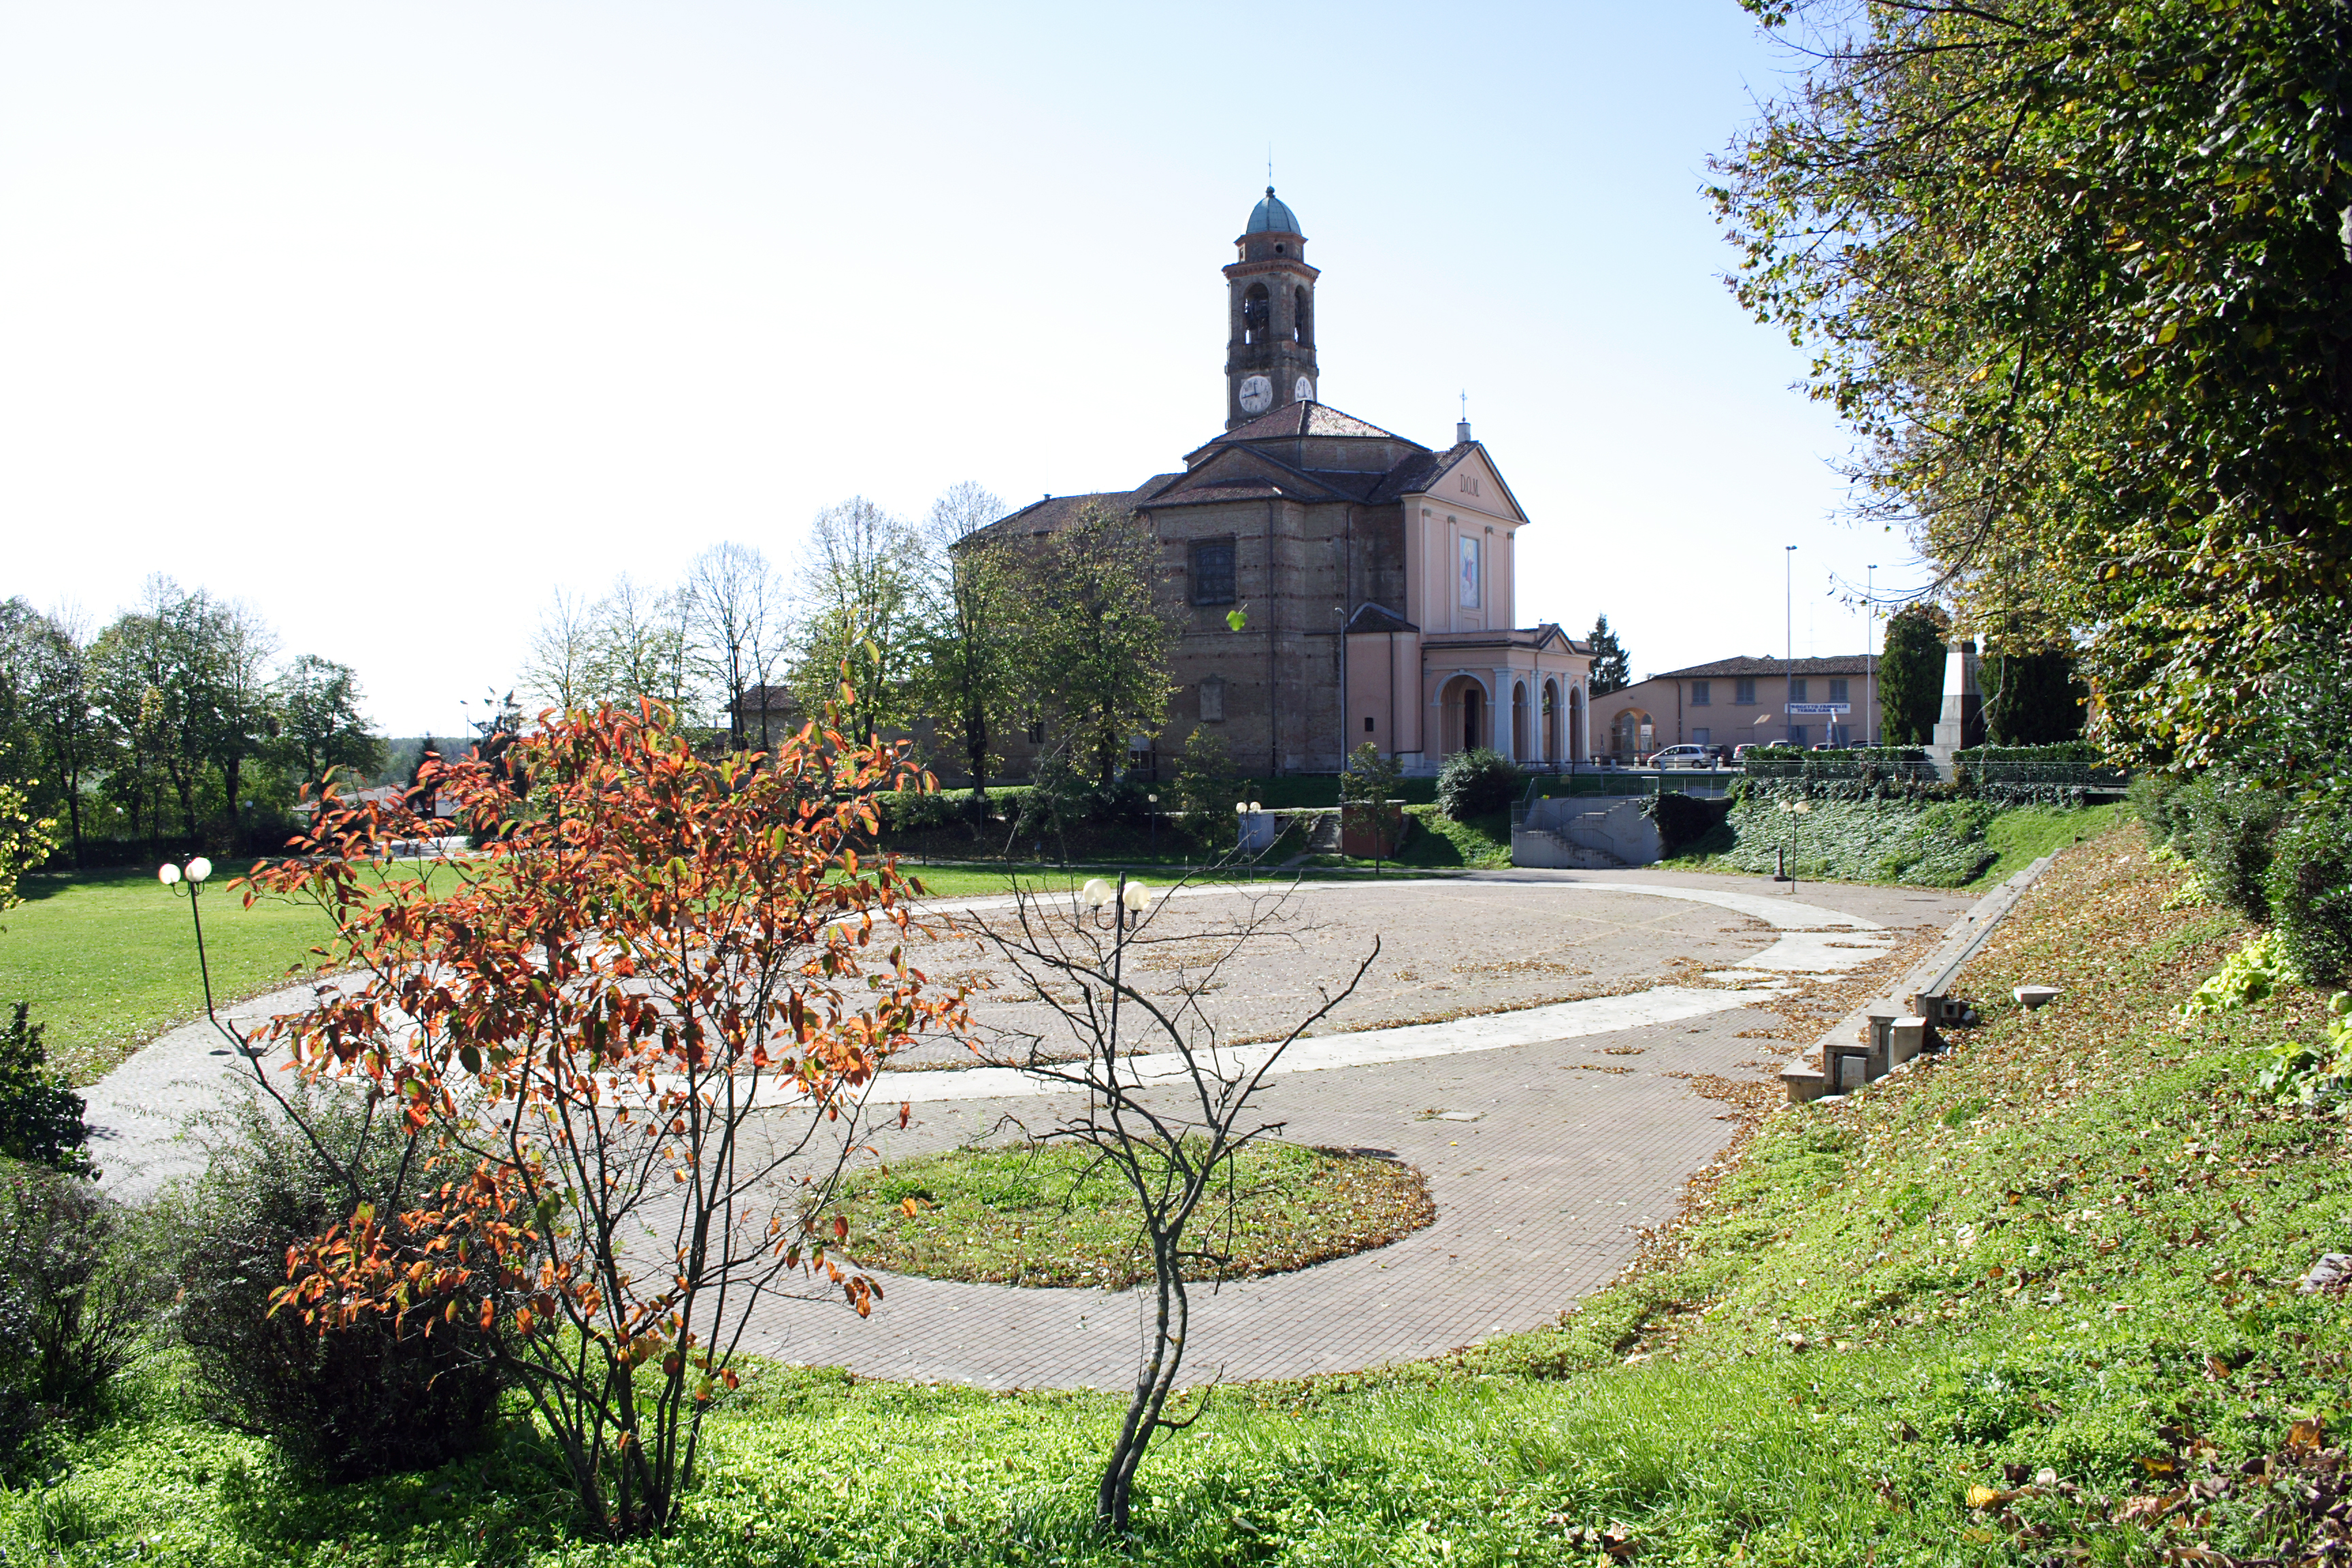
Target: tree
x=1911 y=676
x=640 y=1033
x=236 y=711
x=1205 y=790
x=1097 y=641
x=2074 y=271
x=560 y=665
x=859 y=592
x=157 y=687
x=1367 y=799
x=2031 y=698
x=1170 y=1133
x=49 y=664
x=319 y=726
x=638 y=648
x=25 y=840
x=1612 y=668
x=973 y=677
x=731 y=593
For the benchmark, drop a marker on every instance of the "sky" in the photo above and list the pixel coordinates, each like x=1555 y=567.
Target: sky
x=393 y=320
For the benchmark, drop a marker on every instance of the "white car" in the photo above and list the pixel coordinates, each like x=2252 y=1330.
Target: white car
x=1684 y=757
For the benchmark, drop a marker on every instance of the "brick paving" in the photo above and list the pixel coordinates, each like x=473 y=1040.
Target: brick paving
x=1542 y=1169
x=1538 y=1201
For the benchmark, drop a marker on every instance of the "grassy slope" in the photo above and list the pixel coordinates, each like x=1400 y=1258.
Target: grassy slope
x=2019 y=836
x=2066 y=1244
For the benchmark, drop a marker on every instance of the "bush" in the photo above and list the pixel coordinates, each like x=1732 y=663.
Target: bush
x=2160 y=803
x=1683 y=819
x=40 y=1115
x=1476 y=783
x=354 y=1402
x=2309 y=887
x=1204 y=791
x=80 y=1278
x=2232 y=830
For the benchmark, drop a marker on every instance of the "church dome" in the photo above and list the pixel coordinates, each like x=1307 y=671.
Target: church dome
x=1272 y=217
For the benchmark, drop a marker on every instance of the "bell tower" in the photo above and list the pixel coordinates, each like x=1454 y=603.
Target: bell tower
x=1270 y=336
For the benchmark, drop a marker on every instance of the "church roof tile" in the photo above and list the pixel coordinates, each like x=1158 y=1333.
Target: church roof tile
x=1054 y=513
x=1305 y=419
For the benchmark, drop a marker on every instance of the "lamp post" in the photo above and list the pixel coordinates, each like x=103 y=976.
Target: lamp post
x=1870 y=655
x=1151 y=810
x=194 y=875
x=1788 y=632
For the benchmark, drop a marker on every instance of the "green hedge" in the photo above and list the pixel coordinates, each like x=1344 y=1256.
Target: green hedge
x=1849 y=755
x=2080 y=752
x=1938 y=845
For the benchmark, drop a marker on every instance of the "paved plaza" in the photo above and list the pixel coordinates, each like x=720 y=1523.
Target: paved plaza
x=1529 y=1040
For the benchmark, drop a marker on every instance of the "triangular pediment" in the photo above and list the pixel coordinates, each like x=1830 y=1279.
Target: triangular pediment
x=1465 y=476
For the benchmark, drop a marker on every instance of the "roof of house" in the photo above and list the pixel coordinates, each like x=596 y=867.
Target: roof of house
x=1747 y=664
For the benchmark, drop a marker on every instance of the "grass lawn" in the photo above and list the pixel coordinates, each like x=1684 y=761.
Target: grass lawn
x=2007 y=1307
x=1033 y=1215
x=107 y=959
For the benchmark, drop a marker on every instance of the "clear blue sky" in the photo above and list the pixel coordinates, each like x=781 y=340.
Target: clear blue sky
x=390 y=318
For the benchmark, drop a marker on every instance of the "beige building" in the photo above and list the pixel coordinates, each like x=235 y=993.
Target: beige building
x=1740 y=701
x=1377 y=576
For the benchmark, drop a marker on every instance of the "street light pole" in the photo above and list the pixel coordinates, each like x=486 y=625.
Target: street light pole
x=1870 y=656
x=1789 y=649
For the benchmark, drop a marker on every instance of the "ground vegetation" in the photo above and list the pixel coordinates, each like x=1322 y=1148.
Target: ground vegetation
x=1052 y=1215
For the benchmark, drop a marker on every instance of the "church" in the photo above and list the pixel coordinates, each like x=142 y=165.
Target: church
x=1377 y=574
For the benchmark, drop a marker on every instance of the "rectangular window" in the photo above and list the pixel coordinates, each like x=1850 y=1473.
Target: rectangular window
x=1213 y=700
x=1797 y=690
x=1468 y=597
x=1212 y=572
x=1743 y=693
x=1368 y=723
x=1036 y=731
x=1701 y=736
x=1837 y=691
x=1700 y=693
x=1797 y=735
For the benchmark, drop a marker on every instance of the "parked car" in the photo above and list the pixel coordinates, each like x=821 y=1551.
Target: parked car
x=1739 y=752
x=1684 y=757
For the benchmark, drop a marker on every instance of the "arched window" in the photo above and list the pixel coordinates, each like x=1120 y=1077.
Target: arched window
x=1302 y=303
x=1258 y=314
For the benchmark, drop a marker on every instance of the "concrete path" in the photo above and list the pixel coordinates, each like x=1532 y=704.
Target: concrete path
x=1549 y=1135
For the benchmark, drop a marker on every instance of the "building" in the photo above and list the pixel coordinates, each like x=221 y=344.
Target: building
x=1740 y=701
x=1377 y=574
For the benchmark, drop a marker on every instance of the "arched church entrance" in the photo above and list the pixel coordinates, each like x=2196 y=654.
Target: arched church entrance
x=1551 y=752
x=1634 y=735
x=1519 y=720
x=1575 y=723
x=1463 y=719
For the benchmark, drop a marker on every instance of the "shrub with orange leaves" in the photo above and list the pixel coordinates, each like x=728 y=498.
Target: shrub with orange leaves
x=638 y=1036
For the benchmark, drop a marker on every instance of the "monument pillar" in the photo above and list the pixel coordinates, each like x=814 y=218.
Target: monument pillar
x=1961 y=723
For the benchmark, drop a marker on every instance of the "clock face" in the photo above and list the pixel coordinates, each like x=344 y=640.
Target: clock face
x=1258 y=394
x=1304 y=392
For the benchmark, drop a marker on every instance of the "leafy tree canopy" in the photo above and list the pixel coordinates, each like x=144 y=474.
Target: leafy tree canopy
x=2076 y=272
x=1612 y=668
